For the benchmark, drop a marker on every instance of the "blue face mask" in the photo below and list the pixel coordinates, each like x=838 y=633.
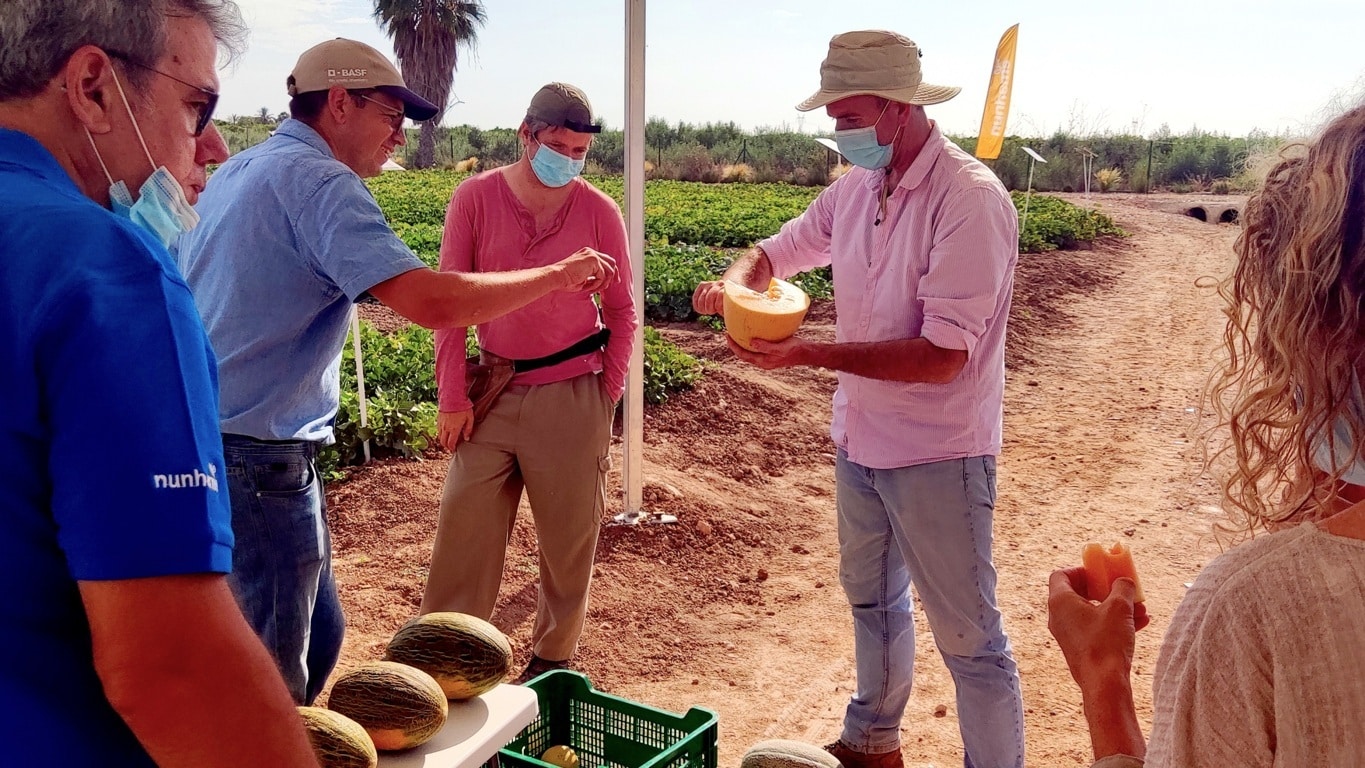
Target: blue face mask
x=1338 y=452
x=554 y=169
x=859 y=145
x=161 y=207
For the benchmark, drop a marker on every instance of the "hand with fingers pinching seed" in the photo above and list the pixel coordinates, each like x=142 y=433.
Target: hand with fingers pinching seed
x=588 y=270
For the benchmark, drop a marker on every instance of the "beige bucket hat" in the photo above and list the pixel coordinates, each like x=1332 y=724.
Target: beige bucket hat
x=875 y=62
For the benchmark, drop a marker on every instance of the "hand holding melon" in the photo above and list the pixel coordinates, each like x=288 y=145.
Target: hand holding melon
x=771 y=315
x=1104 y=565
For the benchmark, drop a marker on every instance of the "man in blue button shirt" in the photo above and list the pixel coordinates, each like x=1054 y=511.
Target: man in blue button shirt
x=121 y=640
x=290 y=237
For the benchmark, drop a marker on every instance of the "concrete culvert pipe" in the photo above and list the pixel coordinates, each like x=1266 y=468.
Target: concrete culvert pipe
x=1198 y=212
x=1228 y=216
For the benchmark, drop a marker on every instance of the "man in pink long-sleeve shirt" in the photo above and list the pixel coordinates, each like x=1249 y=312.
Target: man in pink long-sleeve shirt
x=923 y=240
x=550 y=429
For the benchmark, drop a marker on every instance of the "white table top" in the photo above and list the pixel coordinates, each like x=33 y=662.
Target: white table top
x=474 y=732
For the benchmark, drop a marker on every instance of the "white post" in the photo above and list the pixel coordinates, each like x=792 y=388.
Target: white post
x=632 y=471
x=360 y=376
x=1034 y=157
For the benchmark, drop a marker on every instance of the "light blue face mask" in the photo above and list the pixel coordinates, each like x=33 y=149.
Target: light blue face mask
x=161 y=207
x=859 y=145
x=554 y=169
x=1339 y=451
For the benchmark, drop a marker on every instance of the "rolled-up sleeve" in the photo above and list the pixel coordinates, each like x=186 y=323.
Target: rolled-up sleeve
x=975 y=246
x=803 y=243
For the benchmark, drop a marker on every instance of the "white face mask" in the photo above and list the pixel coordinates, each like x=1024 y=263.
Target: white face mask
x=161 y=207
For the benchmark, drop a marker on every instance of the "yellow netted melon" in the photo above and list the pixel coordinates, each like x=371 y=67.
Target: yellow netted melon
x=338 y=741
x=560 y=755
x=399 y=706
x=771 y=315
x=785 y=753
x=467 y=655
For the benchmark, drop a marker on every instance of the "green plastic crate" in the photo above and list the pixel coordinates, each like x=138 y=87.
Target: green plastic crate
x=609 y=731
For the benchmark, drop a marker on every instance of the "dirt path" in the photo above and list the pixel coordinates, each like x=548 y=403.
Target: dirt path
x=737 y=608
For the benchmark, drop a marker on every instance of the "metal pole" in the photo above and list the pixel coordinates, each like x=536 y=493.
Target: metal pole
x=1027 y=195
x=1150 y=144
x=632 y=471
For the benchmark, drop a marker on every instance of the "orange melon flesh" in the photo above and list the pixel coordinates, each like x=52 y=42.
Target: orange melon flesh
x=1103 y=566
x=771 y=315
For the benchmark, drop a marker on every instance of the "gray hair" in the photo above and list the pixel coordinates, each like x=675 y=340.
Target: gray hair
x=38 y=36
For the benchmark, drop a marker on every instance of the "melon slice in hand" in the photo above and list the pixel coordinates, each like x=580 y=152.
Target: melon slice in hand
x=771 y=315
x=1104 y=565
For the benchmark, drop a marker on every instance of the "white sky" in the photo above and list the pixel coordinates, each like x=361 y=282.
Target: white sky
x=1083 y=65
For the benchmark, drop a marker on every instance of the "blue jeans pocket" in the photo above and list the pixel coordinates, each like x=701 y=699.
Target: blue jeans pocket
x=286 y=477
x=290 y=502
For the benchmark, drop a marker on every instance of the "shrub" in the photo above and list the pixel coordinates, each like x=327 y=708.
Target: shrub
x=400 y=385
x=667 y=368
x=1108 y=178
x=1054 y=223
x=739 y=172
x=672 y=273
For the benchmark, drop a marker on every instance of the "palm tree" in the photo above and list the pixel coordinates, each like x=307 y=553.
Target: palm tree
x=427 y=35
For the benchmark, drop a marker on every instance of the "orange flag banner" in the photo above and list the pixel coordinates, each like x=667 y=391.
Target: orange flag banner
x=992 y=136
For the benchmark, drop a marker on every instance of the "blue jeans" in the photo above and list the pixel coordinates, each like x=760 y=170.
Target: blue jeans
x=930 y=524
x=282 y=559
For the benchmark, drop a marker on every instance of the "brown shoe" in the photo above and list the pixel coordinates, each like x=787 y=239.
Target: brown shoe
x=538 y=667
x=851 y=758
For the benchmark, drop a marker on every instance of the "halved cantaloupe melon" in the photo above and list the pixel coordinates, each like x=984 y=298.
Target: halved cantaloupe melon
x=1104 y=565
x=771 y=315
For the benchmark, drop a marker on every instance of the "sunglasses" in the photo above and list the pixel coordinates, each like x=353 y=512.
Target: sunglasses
x=395 y=117
x=205 y=109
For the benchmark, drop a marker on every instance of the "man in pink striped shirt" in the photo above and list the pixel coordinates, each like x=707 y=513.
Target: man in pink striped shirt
x=550 y=429
x=923 y=241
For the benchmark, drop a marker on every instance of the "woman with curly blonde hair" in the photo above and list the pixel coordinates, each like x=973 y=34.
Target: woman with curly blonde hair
x=1264 y=660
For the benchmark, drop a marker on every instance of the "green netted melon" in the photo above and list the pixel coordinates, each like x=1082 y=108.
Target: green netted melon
x=467 y=655
x=338 y=741
x=784 y=753
x=398 y=706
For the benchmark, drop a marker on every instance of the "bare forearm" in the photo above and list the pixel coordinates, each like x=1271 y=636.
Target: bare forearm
x=753 y=269
x=219 y=704
x=908 y=360
x=471 y=298
x=1112 y=718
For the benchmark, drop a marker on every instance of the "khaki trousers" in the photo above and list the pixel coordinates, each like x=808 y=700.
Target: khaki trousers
x=552 y=440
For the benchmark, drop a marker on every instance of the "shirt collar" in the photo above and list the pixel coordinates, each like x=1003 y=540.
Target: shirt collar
x=21 y=150
x=297 y=129
x=919 y=168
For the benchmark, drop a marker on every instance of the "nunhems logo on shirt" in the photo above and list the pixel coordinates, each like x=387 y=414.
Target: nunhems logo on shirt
x=195 y=479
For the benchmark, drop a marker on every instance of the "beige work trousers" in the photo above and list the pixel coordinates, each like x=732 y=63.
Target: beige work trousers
x=552 y=440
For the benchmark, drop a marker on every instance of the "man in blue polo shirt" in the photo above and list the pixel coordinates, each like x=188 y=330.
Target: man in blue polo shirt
x=290 y=237
x=121 y=641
